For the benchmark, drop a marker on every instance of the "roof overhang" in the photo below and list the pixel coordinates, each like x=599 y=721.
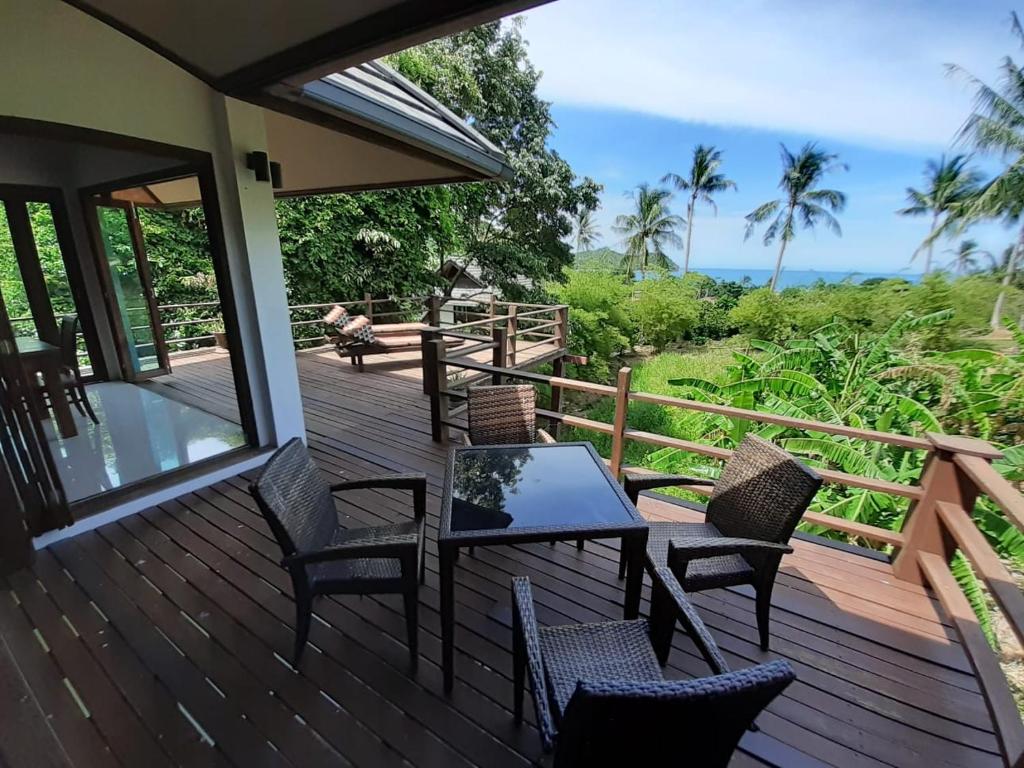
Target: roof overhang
x=242 y=47
x=335 y=122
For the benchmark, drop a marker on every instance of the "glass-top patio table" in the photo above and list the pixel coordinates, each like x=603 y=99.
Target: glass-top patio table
x=513 y=494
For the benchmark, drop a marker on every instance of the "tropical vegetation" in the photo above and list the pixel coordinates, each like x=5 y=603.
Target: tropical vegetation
x=802 y=203
x=704 y=181
x=648 y=230
x=949 y=184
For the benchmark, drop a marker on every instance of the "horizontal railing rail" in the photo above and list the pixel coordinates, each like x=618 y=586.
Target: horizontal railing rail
x=938 y=523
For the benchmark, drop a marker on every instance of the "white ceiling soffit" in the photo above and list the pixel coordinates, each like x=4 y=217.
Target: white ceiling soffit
x=244 y=46
x=376 y=98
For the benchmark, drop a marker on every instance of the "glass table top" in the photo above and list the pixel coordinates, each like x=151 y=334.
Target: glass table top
x=516 y=487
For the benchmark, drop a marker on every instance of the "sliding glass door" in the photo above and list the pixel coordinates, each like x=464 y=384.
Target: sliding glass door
x=130 y=296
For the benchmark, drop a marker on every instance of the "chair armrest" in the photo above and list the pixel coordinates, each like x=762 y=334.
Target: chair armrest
x=669 y=603
x=684 y=550
x=544 y=437
x=415 y=482
x=364 y=543
x=634 y=483
x=466 y=441
x=526 y=638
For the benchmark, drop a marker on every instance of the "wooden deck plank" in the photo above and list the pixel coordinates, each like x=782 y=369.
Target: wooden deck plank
x=882 y=679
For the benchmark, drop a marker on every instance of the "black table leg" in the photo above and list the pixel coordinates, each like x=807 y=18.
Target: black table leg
x=447 y=556
x=636 y=548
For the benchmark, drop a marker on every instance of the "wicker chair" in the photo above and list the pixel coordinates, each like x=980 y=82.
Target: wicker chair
x=756 y=504
x=601 y=698
x=325 y=559
x=503 y=414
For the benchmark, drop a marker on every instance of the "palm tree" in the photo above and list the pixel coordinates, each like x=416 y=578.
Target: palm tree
x=648 y=229
x=997 y=125
x=966 y=255
x=703 y=182
x=948 y=185
x=803 y=203
x=587 y=233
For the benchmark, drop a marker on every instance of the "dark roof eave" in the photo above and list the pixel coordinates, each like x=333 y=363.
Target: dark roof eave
x=332 y=99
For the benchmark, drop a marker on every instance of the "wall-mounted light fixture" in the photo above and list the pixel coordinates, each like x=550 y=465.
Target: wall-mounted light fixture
x=258 y=163
x=264 y=169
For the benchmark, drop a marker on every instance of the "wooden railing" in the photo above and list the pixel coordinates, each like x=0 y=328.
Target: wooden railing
x=518 y=336
x=956 y=472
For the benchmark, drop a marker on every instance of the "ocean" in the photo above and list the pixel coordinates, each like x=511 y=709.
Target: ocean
x=791 y=277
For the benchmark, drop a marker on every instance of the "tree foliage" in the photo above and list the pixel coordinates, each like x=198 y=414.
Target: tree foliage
x=648 y=229
x=802 y=203
x=704 y=181
x=949 y=185
x=516 y=228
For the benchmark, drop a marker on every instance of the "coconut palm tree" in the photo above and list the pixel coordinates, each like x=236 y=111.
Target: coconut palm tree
x=587 y=233
x=996 y=125
x=648 y=229
x=802 y=202
x=703 y=182
x=966 y=257
x=949 y=183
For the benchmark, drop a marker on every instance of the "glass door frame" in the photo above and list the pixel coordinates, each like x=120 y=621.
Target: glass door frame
x=114 y=312
x=18 y=196
x=199 y=165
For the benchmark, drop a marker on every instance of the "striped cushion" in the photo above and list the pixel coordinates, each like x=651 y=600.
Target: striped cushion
x=360 y=329
x=338 y=317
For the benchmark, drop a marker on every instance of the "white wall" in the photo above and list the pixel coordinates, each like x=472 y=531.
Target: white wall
x=66 y=67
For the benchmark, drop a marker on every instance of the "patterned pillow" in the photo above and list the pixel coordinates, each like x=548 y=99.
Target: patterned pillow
x=338 y=317
x=360 y=329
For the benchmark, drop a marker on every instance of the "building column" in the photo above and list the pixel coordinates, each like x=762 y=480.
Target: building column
x=257 y=272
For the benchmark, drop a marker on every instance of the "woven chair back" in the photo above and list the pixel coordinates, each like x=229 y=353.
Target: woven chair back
x=296 y=500
x=69 y=342
x=762 y=492
x=502 y=414
x=660 y=724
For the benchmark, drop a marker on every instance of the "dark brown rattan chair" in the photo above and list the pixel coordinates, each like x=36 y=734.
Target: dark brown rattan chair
x=503 y=414
x=325 y=559
x=70 y=371
x=756 y=504
x=601 y=697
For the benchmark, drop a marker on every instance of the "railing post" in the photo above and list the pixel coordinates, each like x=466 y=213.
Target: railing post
x=368 y=301
x=558 y=370
x=426 y=367
x=433 y=355
x=498 y=356
x=493 y=309
x=513 y=331
x=434 y=311
x=562 y=329
x=941 y=481
x=619 y=425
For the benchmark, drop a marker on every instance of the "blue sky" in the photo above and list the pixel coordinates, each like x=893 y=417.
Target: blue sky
x=636 y=85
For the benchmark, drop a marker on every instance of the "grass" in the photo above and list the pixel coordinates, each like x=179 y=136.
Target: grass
x=652 y=375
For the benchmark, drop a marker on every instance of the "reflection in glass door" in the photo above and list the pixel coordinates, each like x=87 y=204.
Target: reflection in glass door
x=142 y=349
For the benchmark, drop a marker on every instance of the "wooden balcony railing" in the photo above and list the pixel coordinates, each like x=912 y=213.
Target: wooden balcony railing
x=956 y=472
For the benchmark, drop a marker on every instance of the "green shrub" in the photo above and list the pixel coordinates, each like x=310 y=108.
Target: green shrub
x=599 y=324
x=763 y=314
x=663 y=310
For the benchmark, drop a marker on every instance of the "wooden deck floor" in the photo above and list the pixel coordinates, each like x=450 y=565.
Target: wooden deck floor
x=162 y=638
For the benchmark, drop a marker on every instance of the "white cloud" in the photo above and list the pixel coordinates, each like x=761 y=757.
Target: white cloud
x=864 y=71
